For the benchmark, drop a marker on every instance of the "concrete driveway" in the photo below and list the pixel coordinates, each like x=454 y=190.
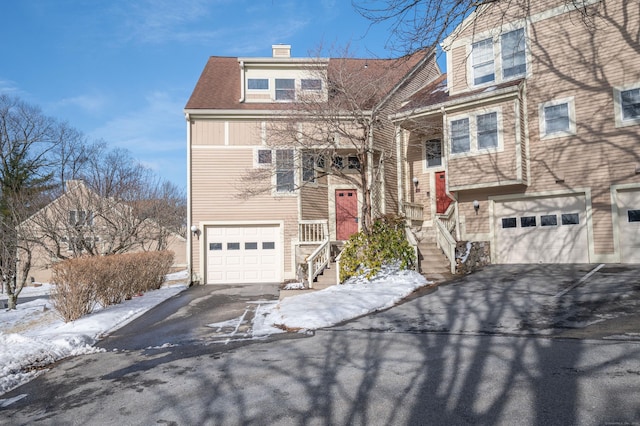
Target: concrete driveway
x=573 y=301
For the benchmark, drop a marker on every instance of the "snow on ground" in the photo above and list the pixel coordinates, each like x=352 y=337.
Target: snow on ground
x=33 y=336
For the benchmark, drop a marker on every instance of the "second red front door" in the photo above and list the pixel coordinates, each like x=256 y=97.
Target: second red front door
x=346 y=213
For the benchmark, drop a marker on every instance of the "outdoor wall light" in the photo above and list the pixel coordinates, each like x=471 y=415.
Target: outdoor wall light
x=195 y=231
x=476 y=206
x=415 y=182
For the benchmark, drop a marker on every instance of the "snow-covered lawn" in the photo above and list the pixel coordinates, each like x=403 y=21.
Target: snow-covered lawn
x=33 y=336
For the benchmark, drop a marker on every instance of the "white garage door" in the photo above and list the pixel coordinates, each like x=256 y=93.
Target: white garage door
x=243 y=254
x=542 y=230
x=629 y=226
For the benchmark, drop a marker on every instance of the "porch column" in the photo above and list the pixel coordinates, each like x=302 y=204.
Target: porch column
x=399 y=167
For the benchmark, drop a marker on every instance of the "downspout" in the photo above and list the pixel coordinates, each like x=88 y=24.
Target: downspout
x=399 y=168
x=242 y=83
x=189 y=221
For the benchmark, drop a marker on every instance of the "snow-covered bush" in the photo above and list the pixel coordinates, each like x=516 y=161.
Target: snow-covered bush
x=386 y=244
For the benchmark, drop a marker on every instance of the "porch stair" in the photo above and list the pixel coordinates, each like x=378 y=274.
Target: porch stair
x=326 y=279
x=434 y=265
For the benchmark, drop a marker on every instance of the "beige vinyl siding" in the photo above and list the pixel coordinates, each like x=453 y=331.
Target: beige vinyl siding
x=315 y=201
x=216 y=179
x=207 y=132
x=458 y=72
x=244 y=133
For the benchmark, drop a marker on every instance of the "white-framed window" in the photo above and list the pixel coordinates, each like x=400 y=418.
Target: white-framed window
x=626 y=101
x=476 y=133
x=483 y=61
x=513 y=54
x=285 y=170
x=262 y=157
x=433 y=152
x=258 y=84
x=311 y=84
x=285 y=89
x=499 y=55
x=557 y=118
x=487 y=130
x=309 y=167
x=460 y=136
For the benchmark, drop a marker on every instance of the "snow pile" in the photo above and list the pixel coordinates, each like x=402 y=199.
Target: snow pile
x=339 y=303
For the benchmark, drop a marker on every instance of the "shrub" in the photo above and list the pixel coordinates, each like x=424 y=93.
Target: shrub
x=74 y=294
x=83 y=282
x=386 y=244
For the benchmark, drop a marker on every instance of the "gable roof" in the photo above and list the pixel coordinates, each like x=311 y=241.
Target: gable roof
x=218 y=87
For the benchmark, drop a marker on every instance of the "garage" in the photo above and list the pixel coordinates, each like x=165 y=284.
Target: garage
x=542 y=230
x=629 y=225
x=243 y=254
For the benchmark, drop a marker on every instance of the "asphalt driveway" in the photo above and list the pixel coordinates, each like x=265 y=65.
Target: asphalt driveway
x=573 y=301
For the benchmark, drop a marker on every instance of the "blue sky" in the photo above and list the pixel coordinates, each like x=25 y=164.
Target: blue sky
x=123 y=70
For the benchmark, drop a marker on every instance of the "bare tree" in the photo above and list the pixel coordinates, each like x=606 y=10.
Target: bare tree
x=27 y=138
x=121 y=207
x=330 y=127
x=417 y=24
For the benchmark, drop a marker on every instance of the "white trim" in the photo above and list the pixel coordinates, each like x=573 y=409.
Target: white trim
x=617 y=105
x=226 y=133
x=571 y=109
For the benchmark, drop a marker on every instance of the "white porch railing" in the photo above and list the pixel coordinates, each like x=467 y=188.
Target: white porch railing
x=318 y=260
x=413 y=211
x=414 y=243
x=444 y=226
x=313 y=231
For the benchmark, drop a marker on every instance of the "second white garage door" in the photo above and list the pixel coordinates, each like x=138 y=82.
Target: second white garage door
x=542 y=230
x=243 y=254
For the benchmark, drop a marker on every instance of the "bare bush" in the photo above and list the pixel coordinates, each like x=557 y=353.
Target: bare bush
x=74 y=293
x=82 y=283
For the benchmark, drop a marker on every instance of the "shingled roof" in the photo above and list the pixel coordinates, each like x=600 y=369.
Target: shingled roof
x=436 y=93
x=219 y=84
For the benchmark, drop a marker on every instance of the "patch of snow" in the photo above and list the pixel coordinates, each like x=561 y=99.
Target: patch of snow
x=294 y=286
x=466 y=254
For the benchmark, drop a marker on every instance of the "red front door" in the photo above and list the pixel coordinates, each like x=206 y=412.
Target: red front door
x=442 y=199
x=346 y=213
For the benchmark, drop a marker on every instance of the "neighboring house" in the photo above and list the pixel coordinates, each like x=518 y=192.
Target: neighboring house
x=230 y=115
x=532 y=140
x=80 y=222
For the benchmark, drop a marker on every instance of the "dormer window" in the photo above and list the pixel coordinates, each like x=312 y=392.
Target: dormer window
x=285 y=89
x=258 y=84
x=483 y=67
